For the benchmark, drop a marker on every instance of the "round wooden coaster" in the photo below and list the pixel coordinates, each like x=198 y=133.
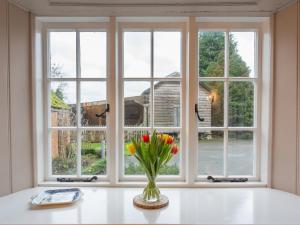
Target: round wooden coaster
x=139 y=202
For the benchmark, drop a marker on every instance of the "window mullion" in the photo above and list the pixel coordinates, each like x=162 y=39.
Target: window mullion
x=78 y=75
x=226 y=73
x=152 y=82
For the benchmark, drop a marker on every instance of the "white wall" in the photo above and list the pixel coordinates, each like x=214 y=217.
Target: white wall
x=16 y=163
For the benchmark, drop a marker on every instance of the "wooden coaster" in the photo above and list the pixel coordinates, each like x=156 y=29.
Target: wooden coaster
x=139 y=202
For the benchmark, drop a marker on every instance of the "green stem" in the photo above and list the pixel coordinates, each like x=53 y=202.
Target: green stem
x=151 y=191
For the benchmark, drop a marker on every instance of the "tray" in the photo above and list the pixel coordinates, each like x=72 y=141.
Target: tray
x=57 y=197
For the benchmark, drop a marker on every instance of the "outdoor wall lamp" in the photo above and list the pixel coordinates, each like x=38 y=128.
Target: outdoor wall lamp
x=211 y=98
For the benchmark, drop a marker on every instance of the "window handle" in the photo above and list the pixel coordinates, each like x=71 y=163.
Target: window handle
x=103 y=114
x=201 y=119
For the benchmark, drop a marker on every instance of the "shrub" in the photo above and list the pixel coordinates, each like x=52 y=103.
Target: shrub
x=97 y=168
x=88 y=151
x=63 y=166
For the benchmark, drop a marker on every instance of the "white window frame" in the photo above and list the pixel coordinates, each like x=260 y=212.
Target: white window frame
x=151 y=27
x=75 y=27
x=189 y=81
x=256 y=81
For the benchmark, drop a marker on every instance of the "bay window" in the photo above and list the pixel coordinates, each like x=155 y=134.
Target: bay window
x=93 y=111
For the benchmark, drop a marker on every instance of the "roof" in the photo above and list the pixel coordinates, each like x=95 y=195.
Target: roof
x=172 y=75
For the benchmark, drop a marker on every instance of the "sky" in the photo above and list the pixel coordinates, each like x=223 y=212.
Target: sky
x=137 y=59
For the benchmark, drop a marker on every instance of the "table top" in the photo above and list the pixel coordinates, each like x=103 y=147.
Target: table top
x=187 y=206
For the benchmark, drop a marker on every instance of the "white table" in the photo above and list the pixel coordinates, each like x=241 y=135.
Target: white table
x=187 y=206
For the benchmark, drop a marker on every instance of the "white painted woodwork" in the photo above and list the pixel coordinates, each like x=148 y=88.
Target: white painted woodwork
x=152 y=7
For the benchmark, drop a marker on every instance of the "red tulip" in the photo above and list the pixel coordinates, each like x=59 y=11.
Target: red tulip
x=146 y=138
x=169 y=140
x=174 y=149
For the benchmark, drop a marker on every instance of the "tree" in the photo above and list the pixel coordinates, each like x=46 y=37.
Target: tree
x=56 y=73
x=211 y=64
x=57 y=96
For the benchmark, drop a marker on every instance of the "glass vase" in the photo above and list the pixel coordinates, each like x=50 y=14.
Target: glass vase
x=151 y=192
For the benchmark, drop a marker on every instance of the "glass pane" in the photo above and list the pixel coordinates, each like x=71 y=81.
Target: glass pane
x=211 y=103
x=93 y=153
x=137 y=54
x=211 y=53
x=210 y=153
x=173 y=166
x=63 y=104
x=137 y=106
x=241 y=54
x=240 y=104
x=240 y=153
x=63 y=152
x=93 y=54
x=132 y=166
x=93 y=101
x=167 y=107
x=166 y=64
x=63 y=54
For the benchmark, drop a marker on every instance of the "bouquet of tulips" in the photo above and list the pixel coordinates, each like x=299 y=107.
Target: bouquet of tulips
x=153 y=152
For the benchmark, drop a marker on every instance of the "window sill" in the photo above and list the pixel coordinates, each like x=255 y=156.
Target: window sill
x=187 y=206
x=250 y=184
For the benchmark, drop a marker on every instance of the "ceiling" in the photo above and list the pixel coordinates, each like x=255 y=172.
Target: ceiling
x=152 y=7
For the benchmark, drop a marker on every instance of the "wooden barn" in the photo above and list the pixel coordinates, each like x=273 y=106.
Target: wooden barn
x=166 y=107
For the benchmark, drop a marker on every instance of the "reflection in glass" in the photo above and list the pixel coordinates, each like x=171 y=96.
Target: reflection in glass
x=93 y=54
x=62 y=54
x=241 y=54
x=93 y=153
x=240 y=153
x=132 y=166
x=63 y=152
x=211 y=53
x=211 y=103
x=210 y=153
x=137 y=54
x=240 y=104
x=137 y=103
x=166 y=64
x=167 y=106
x=93 y=101
x=63 y=104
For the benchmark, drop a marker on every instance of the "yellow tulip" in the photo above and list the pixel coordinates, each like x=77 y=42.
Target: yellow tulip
x=131 y=148
x=165 y=137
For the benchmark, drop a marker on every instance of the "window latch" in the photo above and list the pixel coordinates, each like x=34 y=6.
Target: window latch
x=201 y=119
x=231 y=180
x=62 y=179
x=103 y=114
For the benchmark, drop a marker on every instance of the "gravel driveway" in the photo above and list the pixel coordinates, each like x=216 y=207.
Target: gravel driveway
x=210 y=158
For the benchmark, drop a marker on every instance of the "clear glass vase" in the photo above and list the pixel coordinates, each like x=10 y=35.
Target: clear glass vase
x=151 y=192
